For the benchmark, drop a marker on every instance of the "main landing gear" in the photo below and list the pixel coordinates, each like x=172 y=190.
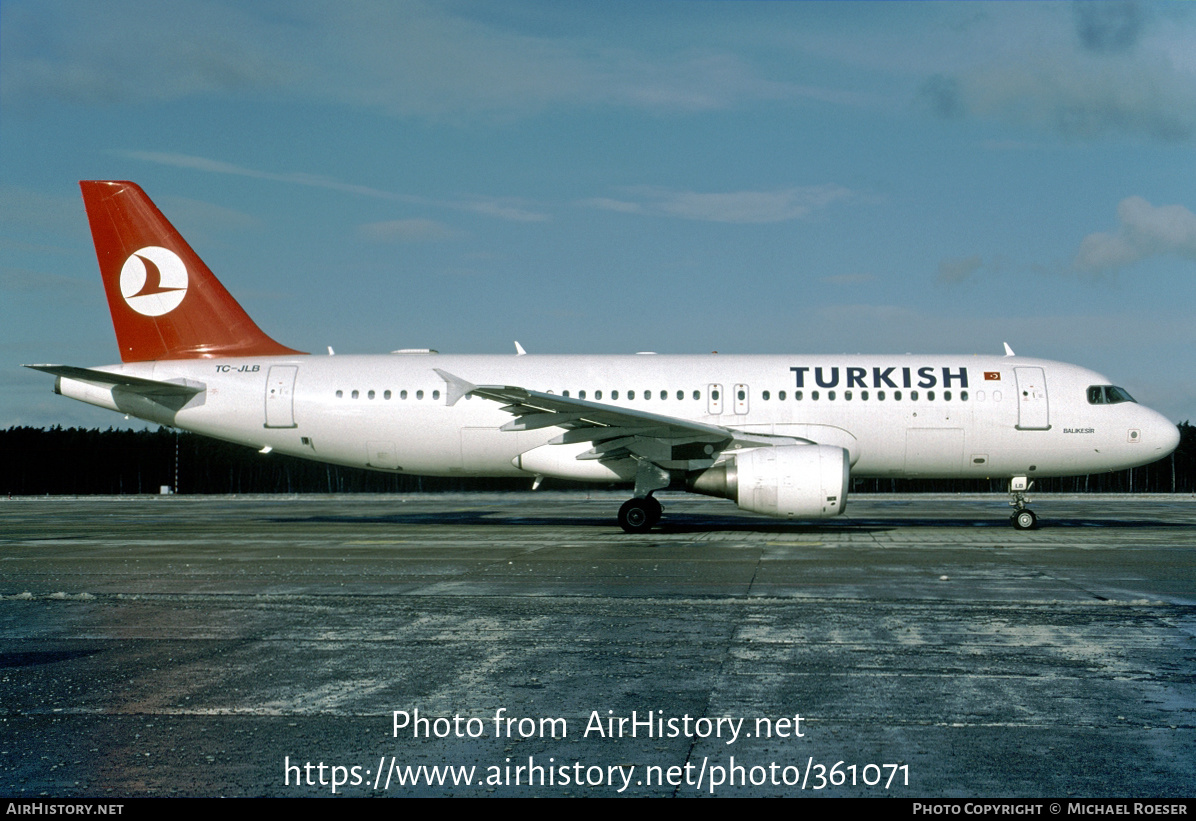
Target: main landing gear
x=1022 y=518
x=642 y=512
x=640 y=515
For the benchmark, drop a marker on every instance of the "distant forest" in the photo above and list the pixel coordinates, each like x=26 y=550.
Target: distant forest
x=77 y=461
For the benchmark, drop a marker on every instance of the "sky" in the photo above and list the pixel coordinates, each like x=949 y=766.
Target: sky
x=613 y=177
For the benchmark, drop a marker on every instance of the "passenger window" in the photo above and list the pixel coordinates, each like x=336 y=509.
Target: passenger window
x=797 y=396
x=896 y=396
x=766 y=395
x=929 y=396
x=880 y=396
x=697 y=395
x=714 y=395
x=614 y=395
x=963 y=396
x=781 y=396
x=435 y=394
x=370 y=395
x=581 y=394
x=946 y=396
x=565 y=393
x=354 y=394
x=830 y=395
x=340 y=394
x=597 y=395
x=847 y=395
x=386 y=394
x=913 y=396
x=814 y=395
x=419 y=394
x=863 y=396
x=402 y=394
x=630 y=395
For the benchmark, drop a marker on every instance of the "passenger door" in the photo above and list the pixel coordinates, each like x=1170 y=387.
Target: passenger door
x=1033 y=411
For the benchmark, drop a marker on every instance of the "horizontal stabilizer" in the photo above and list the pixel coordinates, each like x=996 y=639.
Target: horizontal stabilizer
x=135 y=384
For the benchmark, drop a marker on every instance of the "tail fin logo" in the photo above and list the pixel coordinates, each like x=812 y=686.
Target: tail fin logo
x=153 y=281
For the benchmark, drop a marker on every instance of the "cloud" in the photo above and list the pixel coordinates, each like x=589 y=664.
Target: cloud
x=943 y=96
x=406 y=230
x=438 y=61
x=1107 y=27
x=422 y=59
x=126 y=52
x=508 y=208
x=502 y=208
x=220 y=167
x=958 y=270
x=1079 y=99
x=732 y=206
x=1144 y=231
x=1107 y=69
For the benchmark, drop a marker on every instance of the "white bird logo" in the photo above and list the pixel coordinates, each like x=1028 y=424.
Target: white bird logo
x=149 y=294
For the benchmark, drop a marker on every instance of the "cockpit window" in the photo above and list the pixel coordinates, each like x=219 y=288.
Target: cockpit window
x=1108 y=395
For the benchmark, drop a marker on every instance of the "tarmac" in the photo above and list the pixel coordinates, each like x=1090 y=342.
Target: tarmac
x=522 y=644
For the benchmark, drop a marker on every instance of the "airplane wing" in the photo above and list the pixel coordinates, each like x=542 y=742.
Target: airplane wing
x=614 y=432
x=150 y=388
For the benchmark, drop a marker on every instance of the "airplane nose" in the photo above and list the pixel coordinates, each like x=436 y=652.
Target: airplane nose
x=1170 y=437
x=1164 y=436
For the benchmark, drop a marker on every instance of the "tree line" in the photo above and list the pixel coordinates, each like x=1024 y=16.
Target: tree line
x=79 y=461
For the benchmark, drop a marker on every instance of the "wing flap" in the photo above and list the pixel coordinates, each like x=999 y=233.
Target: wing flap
x=535 y=421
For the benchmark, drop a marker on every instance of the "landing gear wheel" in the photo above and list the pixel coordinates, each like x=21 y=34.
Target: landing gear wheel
x=636 y=515
x=655 y=510
x=1024 y=519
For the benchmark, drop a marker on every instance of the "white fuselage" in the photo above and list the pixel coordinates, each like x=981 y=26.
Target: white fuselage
x=911 y=416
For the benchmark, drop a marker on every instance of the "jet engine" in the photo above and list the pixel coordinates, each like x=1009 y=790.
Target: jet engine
x=791 y=481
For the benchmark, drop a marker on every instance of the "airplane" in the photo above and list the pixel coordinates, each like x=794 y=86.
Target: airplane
x=780 y=435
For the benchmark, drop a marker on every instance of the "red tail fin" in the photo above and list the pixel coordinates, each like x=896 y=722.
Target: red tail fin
x=165 y=302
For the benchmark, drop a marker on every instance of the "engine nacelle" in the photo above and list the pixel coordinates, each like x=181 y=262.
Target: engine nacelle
x=792 y=481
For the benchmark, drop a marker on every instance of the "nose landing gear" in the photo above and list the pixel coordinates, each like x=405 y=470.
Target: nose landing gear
x=1022 y=518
